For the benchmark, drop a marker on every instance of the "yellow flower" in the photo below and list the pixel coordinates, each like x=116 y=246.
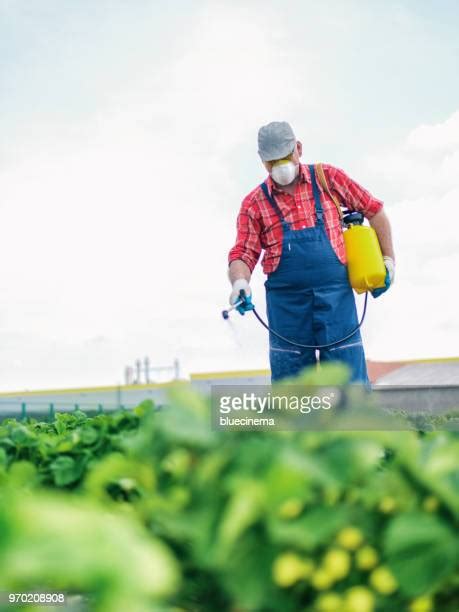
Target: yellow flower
x=288 y=568
x=328 y=602
x=291 y=508
x=421 y=604
x=366 y=558
x=359 y=599
x=331 y=496
x=321 y=579
x=180 y=496
x=430 y=504
x=383 y=581
x=178 y=462
x=387 y=505
x=350 y=538
x=337 y=562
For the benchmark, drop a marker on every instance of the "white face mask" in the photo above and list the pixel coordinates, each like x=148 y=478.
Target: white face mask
x=285 y=173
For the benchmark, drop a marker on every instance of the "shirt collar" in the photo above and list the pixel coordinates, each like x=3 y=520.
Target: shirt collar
x=303 y=174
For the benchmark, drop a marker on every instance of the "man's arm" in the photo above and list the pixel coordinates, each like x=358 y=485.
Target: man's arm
x=360 y=199
x=380 y=223
x=244 y=255
x=238 y=269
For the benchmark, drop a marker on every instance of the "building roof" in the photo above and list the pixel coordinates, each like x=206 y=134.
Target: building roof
x=378 y=369
x=429 y=373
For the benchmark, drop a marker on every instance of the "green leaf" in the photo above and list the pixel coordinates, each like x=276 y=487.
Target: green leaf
x=433 y=464
x=313 y=529
x=3 y=457
x=294 y=472
x=182 y=425
x=145 y=407
x=352 y=458
x=114 y=468
x=392 y=484
x=65 y=470
x=23 y=473
x=70 y=543
x=247 y=576
x=88 y=435
x=23 y=436
x=60 y=426
x=7 y=443
x=421 y=551
x=243 y=509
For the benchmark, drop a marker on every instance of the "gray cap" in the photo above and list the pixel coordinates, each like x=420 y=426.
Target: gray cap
x=275 y=140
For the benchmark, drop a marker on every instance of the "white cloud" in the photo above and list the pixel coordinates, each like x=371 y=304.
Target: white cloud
x=442 y=138
x=418 y=317
x=117 y=225
x=424 y=165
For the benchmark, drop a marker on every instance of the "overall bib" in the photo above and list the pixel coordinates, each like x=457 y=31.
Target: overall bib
x=309 y=300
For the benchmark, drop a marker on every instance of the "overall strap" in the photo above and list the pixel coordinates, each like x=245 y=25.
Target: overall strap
x=273 y=203
x=323 y=181
x=315 y=191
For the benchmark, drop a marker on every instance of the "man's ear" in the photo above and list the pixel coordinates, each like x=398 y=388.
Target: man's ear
x=299 y=148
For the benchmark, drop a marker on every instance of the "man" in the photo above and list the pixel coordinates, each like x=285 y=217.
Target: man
x=308 y=296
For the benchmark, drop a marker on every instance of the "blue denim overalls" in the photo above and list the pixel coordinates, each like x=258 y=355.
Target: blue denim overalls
x=309 y=300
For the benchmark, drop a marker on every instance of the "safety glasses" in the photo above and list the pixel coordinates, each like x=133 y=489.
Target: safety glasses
x=287 y=158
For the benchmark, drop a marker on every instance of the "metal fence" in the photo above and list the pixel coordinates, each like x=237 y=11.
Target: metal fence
x=47 y=410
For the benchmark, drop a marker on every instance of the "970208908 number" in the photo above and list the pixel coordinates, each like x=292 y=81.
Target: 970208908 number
x=48 y=598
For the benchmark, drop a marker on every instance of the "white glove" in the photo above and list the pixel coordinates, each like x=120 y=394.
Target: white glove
x=390 y=267
x=239 y=284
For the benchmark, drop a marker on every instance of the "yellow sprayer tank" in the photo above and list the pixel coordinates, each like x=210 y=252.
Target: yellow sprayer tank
x=365 y=264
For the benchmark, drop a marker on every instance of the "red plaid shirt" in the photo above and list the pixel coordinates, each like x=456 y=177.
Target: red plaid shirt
x=259 y=227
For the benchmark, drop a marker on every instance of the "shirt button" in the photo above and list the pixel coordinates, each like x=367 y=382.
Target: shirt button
x=304 y=227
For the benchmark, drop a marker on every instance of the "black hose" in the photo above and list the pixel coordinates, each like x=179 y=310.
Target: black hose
x=314 y=346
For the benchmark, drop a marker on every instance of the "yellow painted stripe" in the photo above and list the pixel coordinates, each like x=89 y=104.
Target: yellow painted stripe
x=114 y=389
x=195 y=376
x=235 y=374
x=252 y=373
x=407 y=361
x=436 y=360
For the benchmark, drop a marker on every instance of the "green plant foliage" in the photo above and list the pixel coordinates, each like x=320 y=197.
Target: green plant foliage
x=155 y=505
x=422 y=551
x=57 y=543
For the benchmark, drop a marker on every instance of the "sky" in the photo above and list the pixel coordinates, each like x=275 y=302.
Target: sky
x=128 y=141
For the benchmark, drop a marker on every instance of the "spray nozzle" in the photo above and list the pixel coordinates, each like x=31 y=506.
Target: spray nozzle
x=243 y=304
